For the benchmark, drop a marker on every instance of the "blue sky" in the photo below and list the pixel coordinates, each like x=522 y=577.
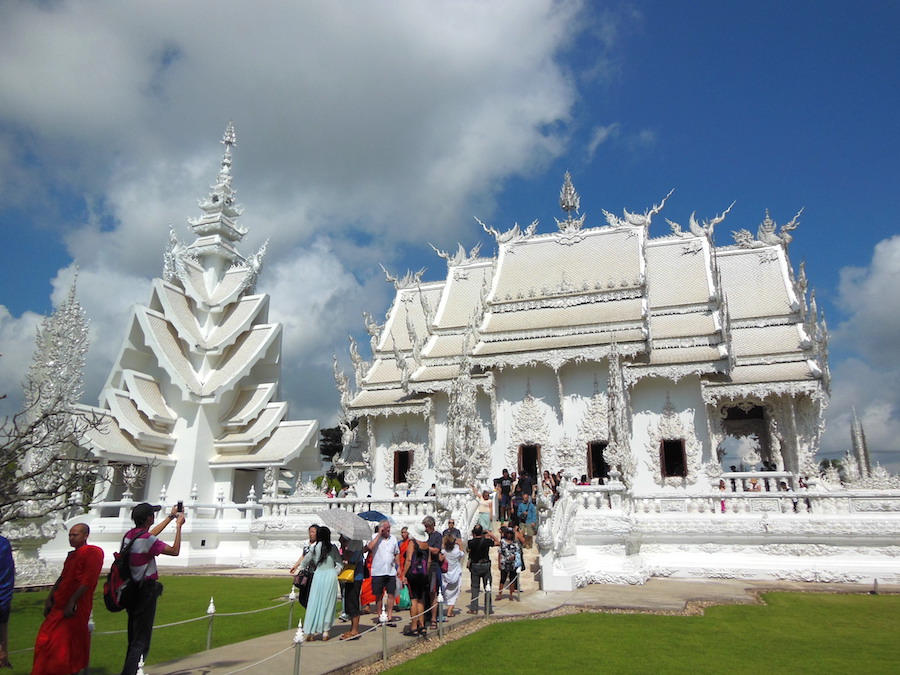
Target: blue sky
x=368 y=130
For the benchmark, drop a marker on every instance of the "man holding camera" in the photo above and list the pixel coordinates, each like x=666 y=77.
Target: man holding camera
x=142 y=562
x=385 y=552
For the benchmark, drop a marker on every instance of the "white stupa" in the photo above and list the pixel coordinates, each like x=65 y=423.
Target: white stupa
x=191 y=406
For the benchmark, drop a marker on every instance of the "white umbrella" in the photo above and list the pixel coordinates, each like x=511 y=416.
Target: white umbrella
x=346 y=523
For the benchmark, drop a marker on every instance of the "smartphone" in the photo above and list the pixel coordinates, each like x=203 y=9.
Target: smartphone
x=180 y=507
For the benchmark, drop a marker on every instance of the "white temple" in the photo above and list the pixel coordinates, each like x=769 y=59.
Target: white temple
x=675 y=374
x=659 y=367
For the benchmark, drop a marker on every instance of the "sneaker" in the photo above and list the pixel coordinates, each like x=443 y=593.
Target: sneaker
x=343 y=617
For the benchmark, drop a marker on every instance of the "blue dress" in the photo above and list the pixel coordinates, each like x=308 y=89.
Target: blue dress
x=324 y=590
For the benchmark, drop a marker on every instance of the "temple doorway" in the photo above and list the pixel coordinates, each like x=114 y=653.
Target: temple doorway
x=746 y=443
x=597 y=466
x=530 y=460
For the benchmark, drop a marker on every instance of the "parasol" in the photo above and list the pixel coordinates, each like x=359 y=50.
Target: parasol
x=376 y=517
x=346 y=523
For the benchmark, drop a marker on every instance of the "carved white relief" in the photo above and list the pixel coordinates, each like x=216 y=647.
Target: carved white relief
x=672 y=428
x=529 y=428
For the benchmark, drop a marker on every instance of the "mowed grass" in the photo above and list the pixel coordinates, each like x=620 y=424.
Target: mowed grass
x=184 y=597
x=792 y=632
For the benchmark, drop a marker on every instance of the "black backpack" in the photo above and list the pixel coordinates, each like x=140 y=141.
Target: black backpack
x=117 y=591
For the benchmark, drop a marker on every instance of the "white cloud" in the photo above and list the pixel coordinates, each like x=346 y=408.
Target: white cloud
x=871 y=381
x=600 y=135
x=363 y=128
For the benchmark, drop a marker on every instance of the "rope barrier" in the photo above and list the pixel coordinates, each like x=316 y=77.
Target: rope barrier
x=252 y=611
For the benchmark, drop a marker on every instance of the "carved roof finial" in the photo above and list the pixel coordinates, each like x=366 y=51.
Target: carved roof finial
x=569 y=200
x=220 y=207
x=229 y=140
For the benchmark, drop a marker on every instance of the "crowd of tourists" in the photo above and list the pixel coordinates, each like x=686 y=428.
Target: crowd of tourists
x=420 y=572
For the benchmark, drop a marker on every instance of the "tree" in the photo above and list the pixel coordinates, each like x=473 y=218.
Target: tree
x=43 y=461
x=330 y=443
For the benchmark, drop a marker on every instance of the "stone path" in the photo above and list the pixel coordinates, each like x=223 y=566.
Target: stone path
x=335 y=656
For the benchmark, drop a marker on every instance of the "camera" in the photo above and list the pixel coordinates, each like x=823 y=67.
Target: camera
x=180 y=507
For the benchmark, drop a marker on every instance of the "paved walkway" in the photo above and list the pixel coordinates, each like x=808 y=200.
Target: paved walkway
x=335 y=656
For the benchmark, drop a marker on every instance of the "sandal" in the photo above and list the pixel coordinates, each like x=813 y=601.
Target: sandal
x=409 y=632
x=350 y=636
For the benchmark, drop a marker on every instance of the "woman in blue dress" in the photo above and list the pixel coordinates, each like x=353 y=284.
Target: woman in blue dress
x=324 y=558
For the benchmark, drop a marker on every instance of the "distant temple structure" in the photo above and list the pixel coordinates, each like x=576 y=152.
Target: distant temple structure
x=679 y=387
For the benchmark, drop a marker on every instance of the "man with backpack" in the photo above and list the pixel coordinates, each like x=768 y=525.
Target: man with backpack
x=146 y=588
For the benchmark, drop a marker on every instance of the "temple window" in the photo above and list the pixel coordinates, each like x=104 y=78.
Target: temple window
x=672 y=458
x=402 y=463
x=597 y=466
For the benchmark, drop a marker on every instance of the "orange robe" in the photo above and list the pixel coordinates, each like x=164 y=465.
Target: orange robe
x=63 y=644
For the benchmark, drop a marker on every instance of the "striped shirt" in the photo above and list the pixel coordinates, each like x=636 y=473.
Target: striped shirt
x=142 y=559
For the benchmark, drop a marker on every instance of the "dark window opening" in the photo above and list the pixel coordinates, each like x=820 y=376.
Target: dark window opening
x=402 y=464
x=597 y=466
x=735 y=413
x=673 y=461
x=529 y=460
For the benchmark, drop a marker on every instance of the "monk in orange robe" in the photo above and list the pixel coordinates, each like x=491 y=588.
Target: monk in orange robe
x=63 y=642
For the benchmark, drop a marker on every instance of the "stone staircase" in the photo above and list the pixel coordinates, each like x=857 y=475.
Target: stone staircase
x=529 y=579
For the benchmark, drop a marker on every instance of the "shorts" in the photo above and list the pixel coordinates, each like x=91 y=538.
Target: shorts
x=387 y=582
x=418 y=586
x=504 y=500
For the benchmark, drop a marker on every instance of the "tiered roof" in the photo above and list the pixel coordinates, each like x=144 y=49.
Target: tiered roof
x=671 y=306
x=203 y=342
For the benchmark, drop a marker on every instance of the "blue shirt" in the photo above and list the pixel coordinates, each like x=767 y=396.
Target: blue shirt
x=7 y=574
x=527 y=513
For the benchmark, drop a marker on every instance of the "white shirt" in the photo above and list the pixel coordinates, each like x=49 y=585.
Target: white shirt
x=384 y=555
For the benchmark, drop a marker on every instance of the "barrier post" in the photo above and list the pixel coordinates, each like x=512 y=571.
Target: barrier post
x=383 y=620
x=488 y=598
x=298 y=645
x=211 y=611
x=440 y=614
x=293 y=598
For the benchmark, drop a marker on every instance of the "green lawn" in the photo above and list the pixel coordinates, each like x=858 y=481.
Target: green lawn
x=183 y=598
x=793 y=632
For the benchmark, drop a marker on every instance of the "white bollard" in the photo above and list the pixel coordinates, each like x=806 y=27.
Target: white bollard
x=298 y=645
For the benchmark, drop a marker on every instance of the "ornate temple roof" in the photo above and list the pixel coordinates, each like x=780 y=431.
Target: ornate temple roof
x=672 y=305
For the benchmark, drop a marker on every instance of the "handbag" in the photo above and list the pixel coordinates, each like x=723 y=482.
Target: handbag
x=303 y=581
x=445 y=566
x=347 y=574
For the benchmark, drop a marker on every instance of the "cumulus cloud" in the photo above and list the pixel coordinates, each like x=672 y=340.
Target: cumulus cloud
x=365 y=130
x=870 y=381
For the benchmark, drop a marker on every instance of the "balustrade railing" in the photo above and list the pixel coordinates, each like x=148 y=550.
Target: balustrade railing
x=397 y=507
